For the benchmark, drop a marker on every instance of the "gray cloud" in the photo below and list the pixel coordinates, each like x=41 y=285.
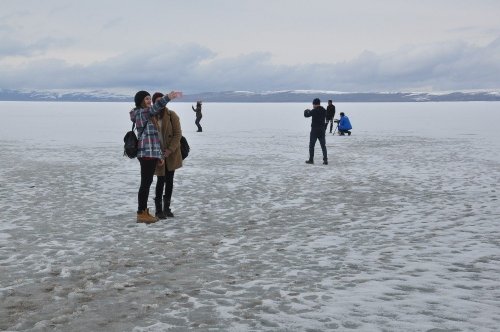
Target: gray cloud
x=194 y=68
x=17 y=47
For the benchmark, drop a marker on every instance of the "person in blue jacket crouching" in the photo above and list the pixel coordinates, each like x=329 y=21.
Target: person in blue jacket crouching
x=344 y=125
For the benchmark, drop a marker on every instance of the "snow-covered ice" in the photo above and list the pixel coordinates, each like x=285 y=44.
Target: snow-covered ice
x=400 y=232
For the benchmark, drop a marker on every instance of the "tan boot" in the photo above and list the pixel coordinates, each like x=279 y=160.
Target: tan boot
x=145 y=217
x=151 y=216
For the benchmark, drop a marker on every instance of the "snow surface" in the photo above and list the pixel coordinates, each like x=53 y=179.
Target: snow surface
x=400 y=232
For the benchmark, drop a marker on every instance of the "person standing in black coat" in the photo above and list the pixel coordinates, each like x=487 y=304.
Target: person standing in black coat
x=318 y=114
x=330 y=114
x=198 y=115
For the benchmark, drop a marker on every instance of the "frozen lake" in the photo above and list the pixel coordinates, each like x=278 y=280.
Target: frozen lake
x=400 y=232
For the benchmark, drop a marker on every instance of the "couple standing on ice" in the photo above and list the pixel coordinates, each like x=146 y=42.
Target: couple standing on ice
x=319 y=123
x=159 y=135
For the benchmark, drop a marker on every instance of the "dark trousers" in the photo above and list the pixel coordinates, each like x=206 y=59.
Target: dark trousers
x=197 y=122
x=331 y=124
x=343 y=132
x=148 y=167
x=317 y=133
x=166 y=182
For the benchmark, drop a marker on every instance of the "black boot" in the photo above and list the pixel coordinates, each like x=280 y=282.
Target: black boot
x=166 y=208
x=310 y=161
x=159 y=211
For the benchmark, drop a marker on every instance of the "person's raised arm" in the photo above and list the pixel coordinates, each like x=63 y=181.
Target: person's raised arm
x=174 y=94
x=163 y=101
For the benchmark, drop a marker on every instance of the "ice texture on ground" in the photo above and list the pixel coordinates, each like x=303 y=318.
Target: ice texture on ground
x=400 y=232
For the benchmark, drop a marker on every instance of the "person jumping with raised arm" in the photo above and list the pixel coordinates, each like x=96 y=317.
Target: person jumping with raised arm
x=198 y=116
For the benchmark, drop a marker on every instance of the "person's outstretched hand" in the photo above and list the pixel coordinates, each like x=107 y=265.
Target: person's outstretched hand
x=174 y=94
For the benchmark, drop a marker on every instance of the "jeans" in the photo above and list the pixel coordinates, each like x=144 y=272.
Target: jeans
x=148 y=167
x=331 y=124
x=166 y=181
x=197 y=122
x=317 y=133
x=343 y=132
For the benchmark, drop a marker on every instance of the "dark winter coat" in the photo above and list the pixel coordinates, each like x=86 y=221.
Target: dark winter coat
x=197 y=110
x=170 y=137
x=318 y=115
x=330 y=112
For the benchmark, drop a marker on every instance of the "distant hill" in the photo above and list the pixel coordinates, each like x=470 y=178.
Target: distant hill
x=257 y=97
x=308 y=95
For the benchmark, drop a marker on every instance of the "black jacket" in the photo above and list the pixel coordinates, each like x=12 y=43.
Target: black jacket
x=330 y=112
x=318 y=117
x=197 y=110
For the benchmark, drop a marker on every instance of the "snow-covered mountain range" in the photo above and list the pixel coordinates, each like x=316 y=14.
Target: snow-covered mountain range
x=249 y=96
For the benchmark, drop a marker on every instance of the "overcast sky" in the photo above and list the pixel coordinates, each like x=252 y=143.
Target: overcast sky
x=258 y=45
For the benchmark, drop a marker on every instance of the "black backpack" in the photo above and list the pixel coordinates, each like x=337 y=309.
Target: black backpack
x=130 y=148
x=184 y=147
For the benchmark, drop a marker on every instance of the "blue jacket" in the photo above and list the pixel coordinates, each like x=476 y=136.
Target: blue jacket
x=344 y=123
x=149 y=142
